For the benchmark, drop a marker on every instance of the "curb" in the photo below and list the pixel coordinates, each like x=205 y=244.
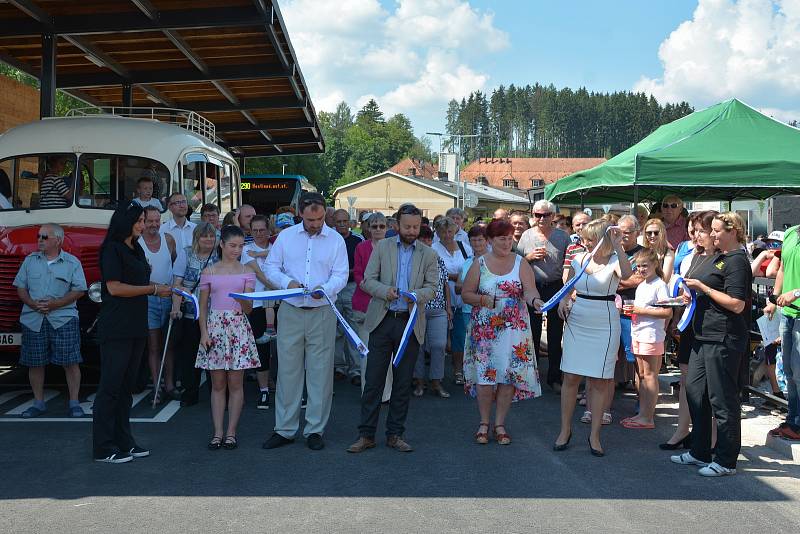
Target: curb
x=755 y=428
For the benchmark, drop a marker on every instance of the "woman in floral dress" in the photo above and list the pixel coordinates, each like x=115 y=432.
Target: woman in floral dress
x=227 y=346
x=500 y=360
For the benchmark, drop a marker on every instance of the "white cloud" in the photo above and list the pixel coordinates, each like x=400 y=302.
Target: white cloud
x=415 y=55
x=748 y=49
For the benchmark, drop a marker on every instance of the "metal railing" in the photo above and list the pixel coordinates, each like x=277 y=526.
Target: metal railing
x=180 y=117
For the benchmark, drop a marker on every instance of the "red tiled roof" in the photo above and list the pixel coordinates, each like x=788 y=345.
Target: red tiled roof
x=421 y=169
x=524 y=170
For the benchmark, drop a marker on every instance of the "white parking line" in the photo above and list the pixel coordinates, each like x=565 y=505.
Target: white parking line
x=49 y=394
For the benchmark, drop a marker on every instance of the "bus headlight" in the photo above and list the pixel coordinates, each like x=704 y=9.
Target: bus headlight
x=94 y=292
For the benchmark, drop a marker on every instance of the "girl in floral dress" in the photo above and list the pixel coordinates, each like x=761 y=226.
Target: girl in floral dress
x=227 y=346
x=500 y=359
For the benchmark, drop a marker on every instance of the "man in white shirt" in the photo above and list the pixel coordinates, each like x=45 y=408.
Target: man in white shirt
x=310 y=255
x=179 y=227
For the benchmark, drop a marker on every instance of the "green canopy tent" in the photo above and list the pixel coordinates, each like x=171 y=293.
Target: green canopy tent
x=725 y=152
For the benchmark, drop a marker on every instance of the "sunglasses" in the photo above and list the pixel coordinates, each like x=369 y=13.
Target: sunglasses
x=653 y=233
x=666 y=205
x=312 y=201
x=542 y=215
x=44 y=237
x=378 y=227
x=178 y=203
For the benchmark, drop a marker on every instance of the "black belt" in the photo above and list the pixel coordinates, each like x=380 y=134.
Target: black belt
x=598 y=297
x=398 y=314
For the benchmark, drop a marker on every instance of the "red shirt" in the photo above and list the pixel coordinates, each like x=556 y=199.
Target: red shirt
x=677 y=232
x=362 y=254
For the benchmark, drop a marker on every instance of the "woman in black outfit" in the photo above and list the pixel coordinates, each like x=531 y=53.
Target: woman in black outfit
x=721 y=336
x=122 y=333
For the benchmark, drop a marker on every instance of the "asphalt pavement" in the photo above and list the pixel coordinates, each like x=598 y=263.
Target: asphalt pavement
x=448 y=484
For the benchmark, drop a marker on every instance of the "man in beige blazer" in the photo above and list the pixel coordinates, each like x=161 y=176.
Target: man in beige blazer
x=397 y=263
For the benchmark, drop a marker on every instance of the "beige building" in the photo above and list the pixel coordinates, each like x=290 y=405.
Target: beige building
x=387 y=191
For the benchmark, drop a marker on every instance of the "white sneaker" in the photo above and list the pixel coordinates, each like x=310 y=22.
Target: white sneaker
x=715 y=470
x=686 y=459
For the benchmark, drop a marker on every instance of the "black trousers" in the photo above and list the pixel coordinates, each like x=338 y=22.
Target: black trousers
x=555 y=330
x=186 y=356
x=383 y=342
x=712 y=389
x=119 y=363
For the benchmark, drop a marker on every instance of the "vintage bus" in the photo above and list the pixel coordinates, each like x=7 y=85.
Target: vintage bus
x=268 y=192
x=100 y=153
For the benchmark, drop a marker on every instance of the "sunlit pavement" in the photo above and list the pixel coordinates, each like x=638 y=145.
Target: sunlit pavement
x=448 y=484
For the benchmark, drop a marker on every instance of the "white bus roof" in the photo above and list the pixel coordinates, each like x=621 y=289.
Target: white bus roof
x=106 y=134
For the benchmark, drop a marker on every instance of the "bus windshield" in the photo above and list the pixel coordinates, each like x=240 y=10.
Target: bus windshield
x=37 y=181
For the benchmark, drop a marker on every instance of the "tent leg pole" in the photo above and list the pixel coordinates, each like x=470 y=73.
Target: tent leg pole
x=634 y=211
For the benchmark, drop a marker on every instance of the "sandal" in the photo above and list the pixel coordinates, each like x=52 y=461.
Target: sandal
x=606 y=418
x=215 y=443
x=482 y=438
x=458 y=378
x=586 y=417
x=230 y=443
x=502 y=438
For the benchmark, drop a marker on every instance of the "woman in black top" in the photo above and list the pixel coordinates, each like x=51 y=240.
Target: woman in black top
x=122 y=333
x=721 y=336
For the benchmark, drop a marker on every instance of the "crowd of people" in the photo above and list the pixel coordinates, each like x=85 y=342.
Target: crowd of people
x=480 y=292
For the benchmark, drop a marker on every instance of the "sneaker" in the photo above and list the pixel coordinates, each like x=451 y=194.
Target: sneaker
x=687 y=459
x=76 y=411
x=139 y=452
x=790 y=433
x=263 y=340
x=115 y=458
x=270 y=332
x=715 y=470
x=32 y=412
x=263 y=401
x=776 y=432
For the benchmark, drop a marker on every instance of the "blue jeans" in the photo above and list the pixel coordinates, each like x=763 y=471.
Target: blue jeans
x=626 y=337
x=790 y=349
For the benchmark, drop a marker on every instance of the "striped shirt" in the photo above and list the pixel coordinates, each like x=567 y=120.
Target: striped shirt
x=52 y=191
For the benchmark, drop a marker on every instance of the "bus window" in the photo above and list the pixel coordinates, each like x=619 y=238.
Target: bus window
x=105 y=180
x=226 y=201
x=211 y=181
x=192 y=175
x=39 y=181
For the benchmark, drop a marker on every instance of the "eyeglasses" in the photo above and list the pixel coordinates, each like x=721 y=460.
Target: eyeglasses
x=656 y=232
x=667 y=205
x=312 y=201
x=377 y=227
x=257 y=230
x=542 y=215
x=44 y=237
x=178 y=203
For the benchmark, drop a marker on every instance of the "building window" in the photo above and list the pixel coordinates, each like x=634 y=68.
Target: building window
x=536 y=182
x=481 y=180
x=510 y=182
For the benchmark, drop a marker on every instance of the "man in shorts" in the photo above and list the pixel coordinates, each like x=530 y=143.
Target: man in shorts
x=49 y=282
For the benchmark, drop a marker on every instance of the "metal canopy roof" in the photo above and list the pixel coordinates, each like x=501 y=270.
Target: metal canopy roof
x=230 y=61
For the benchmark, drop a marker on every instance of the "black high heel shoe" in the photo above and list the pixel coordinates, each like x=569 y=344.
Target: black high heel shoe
x=594 y=451
x=563 y=446
x=685 y=443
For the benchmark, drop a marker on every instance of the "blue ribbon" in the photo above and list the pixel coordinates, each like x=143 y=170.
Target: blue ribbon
x=677 y=284
x=409 y=329
x=281 y=294
x=555 y=299
x=191 y=298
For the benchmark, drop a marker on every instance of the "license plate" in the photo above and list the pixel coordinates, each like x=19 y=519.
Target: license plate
x=10 y=339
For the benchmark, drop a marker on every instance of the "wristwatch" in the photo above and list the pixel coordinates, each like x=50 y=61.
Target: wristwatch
x=796 y=293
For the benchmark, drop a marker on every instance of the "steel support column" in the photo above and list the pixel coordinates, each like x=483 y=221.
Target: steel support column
x=47 y=81
x=127 y=95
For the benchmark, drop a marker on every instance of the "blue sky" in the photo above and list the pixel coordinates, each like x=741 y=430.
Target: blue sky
x=413 y=56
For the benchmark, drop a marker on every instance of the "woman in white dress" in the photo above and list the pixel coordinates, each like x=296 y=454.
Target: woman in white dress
x=592 y=328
